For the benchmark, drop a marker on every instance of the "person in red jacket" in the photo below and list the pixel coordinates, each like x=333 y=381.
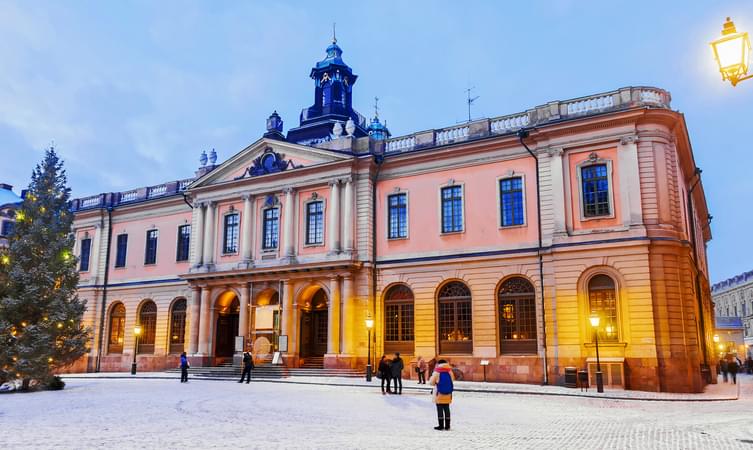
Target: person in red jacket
x=443 y=381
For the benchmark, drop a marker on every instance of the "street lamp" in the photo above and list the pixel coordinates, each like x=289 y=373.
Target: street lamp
x=732 y=53
x=369 y=326
x=594 y=319
x=137 y=333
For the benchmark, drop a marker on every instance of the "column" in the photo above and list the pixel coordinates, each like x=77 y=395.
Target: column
x=209 y=233
x=333 y=221
x=333 y=317
x=630 y=183
x=287 y=313
x=289 y=241
x=204 y=321
x=243 y=316
x=246 y=230
x=197 y=235
x=193 y=334
x=348 y=226
x=558 y=190
x=348 y=317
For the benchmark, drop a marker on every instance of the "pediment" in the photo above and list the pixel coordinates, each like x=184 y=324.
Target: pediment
x=265 y=157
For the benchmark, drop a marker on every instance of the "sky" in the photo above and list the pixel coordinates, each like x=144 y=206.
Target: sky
x=131 y=92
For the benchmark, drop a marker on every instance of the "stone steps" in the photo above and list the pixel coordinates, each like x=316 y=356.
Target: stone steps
x=269 y=371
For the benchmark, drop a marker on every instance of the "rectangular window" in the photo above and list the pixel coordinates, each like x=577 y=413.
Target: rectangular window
x=398 y=216
x=314 y=223
x=595 y=190
x=184 y=242
x=122 y=248
x=230 y=236
x=271 y=228
x=86 y=246
x=150 y=255
x=511 y=201
x=452 y=209
x=7 y=228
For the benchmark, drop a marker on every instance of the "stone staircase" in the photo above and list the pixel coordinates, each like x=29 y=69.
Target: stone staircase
x=311 y=367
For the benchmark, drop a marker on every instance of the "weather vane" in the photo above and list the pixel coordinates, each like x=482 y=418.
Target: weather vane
x=334 y=32
x=376 y=107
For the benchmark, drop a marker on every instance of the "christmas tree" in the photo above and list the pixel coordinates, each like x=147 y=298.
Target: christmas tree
x=40 y=313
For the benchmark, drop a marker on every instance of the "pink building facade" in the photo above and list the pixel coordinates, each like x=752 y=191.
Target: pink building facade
x=443 y=237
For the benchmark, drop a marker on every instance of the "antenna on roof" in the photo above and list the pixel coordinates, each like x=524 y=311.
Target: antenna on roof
x=470 y=100
x=376 y=107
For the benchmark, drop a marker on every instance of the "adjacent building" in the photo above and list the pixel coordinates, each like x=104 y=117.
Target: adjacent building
x=9 y=202
x=733 y=304
x=493 y=240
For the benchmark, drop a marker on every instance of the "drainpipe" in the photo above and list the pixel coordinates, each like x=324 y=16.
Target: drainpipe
x=697 y=278
x=378 y=159
x=522 y=134
x=104 y=288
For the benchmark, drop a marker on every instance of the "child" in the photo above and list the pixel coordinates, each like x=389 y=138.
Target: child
x=443 y=379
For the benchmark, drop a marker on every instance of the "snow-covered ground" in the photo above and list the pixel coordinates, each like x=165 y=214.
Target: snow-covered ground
x=157 y=413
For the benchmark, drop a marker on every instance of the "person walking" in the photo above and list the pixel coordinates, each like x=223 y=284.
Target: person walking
x=443 y=380
x=733 y=366
x=724 y=368
x=248 y=364
x=184 y=368
x=384 y=373
x=421 y=367
x=396 y=368
x=749 y=364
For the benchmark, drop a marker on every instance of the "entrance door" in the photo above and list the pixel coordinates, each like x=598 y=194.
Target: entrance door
x=227 y=329
x=313 y=333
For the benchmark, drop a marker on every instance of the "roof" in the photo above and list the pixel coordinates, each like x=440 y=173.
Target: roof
x=7 y=196
x=729 y=322
x=730 y=283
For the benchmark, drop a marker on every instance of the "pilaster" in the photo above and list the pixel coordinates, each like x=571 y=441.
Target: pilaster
x=333 y=225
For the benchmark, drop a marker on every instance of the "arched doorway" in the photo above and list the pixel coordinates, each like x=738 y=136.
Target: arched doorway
x=313 y=327
x=228 y=308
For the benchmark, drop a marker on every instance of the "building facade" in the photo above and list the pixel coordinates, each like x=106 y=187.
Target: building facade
x=473 y=242
x=733 y=298
x=9 y=202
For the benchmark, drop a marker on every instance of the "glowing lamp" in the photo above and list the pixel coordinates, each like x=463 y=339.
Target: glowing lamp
x=369 y=323
x=5 y=259
x=594 y=319
x=732 y=53
x=137 y=330
x=716 y=338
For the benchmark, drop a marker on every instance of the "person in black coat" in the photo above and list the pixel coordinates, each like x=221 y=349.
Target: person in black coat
x=397 y=372
x=248 y=364
x=384 y=373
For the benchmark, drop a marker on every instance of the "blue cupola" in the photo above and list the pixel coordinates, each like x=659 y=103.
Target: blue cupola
x=333 y=101
x=377 y=131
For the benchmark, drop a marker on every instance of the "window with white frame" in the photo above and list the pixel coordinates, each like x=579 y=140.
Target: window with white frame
x=270 y=228
x=150 y=253
x=230 y=234
x=452 y=209
x=86 y=246
x=595 y=190
x=315 y=222
x=398 y=216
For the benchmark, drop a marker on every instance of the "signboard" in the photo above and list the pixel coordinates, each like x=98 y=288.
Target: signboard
x=282 y=343
x=239 y=344
x=277 y=358
x=484 y=362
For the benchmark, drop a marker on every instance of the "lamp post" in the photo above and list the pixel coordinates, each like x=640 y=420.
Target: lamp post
x=732 y=53
x=594 y=319
x=137 y=333
x=369 y=326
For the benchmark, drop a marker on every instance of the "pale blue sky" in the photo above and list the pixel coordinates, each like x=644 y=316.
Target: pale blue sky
x=131 y=92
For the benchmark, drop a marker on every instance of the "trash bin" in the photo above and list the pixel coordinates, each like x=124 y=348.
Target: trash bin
x=571 y=377
x=583 y=379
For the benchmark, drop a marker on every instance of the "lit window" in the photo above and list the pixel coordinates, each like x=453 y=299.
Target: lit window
x=178 y=326
x=117 y=329
x=398 y=320
x=602 y=300
x=148 y=323
x=452 y=209
x=455 y=319
x=150 y=256
x=595 y=190
x=230 y=235
x=271 y=228
x=314 y=223
x=511 y=201
x=517 y=316
x=398 y=216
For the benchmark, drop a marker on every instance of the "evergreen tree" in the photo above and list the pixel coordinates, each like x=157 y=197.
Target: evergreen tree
x=40 y=313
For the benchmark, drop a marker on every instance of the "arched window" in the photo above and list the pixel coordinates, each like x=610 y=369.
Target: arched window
x=602 y=300
x=117 y=329
x=455 y=319
x=178 y=326
x=517 y=316
x=398 y=320
x=148 y=322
